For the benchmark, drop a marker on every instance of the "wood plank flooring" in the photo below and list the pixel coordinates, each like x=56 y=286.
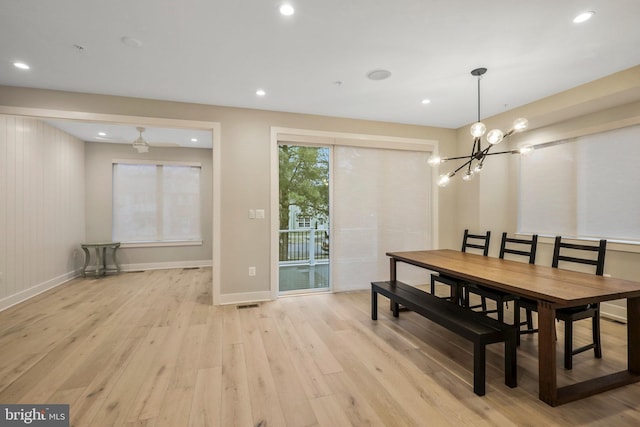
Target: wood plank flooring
x=149 y=349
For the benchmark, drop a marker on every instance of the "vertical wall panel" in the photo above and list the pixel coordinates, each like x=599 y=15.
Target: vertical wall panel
x=3 y=207
x=42 y=221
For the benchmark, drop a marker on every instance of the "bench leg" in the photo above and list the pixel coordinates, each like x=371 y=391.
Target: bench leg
x=395 y=307
x=374 y=305
x=511 y=357
x=479 y=373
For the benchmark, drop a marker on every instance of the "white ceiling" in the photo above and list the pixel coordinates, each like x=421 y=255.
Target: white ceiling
x=220 y=52
x=126 y=134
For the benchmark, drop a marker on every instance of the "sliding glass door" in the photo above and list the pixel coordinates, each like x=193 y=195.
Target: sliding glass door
x=303 y=218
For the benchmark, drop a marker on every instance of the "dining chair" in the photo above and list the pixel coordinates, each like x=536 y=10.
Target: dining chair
x=521 y=246
x=591 y=254
x=477 y=242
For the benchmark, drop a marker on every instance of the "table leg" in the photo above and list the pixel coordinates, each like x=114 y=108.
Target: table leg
x=87 y=257
x=104 y=260
x=115 y=260
x=547 y=380
x=392 y=277
x=98 y=262
x=633 y=334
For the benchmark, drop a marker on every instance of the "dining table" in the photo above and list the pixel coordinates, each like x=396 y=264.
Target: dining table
x=552 y=289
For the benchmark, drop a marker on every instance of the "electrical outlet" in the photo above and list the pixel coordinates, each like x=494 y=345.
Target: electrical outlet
x=252 y=271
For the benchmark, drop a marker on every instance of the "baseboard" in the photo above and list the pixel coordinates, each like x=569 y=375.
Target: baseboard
x=613 y=312
x=244 y=297
x=164 y=265
x=21 y=296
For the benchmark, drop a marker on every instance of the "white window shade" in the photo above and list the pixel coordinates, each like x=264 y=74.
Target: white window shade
x=381 y=202
x=156 y=203
x=587 y=187
x=609 y=197
x=548 y=191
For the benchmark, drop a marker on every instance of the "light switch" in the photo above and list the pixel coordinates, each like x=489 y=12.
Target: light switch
x=252 y=214
x=260 y=213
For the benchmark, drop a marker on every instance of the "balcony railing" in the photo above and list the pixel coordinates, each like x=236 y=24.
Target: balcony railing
x=304 y=246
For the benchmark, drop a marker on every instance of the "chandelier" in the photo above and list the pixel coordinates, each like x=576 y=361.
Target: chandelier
x=475 y=161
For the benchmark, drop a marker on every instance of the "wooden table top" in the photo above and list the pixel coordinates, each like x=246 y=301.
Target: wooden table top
x=563 y=288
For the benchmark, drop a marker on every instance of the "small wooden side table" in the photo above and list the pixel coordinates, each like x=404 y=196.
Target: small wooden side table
x=101 y=258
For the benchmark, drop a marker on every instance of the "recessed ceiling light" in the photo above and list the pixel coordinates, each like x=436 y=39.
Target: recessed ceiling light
x=379 y=74
x=287 y=10
x=102 y=134
x=194 y=139
x=426 y=101
x=21 y=65
x=584 y=16
x=261 y=92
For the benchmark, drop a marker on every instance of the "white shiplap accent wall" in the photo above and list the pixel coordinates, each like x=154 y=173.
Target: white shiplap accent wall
x=42 y=213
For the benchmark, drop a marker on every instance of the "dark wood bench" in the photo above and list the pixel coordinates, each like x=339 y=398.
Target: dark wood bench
x=476 y=327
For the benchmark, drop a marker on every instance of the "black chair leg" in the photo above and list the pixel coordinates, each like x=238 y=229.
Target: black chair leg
x=597 y=348
x=529 y=320
x=516 y=320
x=568 y=344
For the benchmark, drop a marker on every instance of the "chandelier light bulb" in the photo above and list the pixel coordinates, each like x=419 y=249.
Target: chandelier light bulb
x=526 y=150
x=434 y=160
x=468 y=176
x=477 y=168
x=520 y=124
x=478 y=129
x=444 y=180
x=495 y=136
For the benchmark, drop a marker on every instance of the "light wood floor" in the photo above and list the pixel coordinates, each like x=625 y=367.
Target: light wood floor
x=149 y=349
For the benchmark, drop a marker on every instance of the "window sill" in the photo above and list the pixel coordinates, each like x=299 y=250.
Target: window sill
x=161 y=244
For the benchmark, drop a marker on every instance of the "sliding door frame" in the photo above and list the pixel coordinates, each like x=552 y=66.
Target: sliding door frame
x=308 y=137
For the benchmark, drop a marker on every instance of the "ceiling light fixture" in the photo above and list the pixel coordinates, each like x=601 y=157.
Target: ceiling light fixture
x=261 y=92
x=584 y=16
x=379 y=74
x=287 y=10
x=140 y=144
x=426 y=101
x=21 y=65
x=474 y=162
x=102 y=134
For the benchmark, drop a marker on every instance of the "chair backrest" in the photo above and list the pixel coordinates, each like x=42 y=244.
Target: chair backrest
x=519 y=246
x=599 y=249
x=476 y=241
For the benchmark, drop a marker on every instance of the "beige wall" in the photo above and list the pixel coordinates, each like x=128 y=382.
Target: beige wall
x=491 y=202
x=245 y=165
x=487 y=203
x=98 y=181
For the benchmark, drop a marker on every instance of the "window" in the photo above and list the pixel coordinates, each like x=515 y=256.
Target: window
x=586 y=187
x=304 y=222
x=156 y=202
